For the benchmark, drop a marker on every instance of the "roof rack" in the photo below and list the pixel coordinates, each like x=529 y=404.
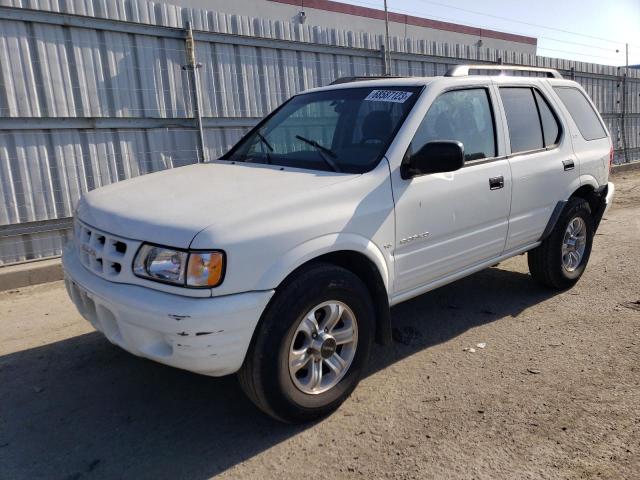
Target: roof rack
x=463 y=70
x=340 y=80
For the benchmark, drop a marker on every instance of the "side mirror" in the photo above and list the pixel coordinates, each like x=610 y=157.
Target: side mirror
x=435 y=157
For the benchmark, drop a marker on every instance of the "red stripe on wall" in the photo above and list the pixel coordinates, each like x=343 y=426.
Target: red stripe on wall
x=337 y=7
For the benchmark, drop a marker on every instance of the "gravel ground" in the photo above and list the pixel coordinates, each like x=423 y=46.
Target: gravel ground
x=555 y=393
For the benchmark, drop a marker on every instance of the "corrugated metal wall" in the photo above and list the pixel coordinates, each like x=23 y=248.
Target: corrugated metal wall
x=93 y=92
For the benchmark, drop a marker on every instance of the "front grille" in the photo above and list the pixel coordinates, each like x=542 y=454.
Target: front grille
x=104 y=254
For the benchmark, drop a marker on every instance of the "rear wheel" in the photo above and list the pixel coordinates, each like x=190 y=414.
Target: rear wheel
x=312 y=345
x=561 y=259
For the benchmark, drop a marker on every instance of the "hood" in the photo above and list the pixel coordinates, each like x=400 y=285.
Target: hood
x=172 y=206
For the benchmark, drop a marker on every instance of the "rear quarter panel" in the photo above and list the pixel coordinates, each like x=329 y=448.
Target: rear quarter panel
x=592 y=155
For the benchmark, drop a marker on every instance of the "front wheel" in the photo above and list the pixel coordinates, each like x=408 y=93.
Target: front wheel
x=561 y=259
x=312 y=345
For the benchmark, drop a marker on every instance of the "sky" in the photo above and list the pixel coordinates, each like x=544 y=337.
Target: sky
x=586 y=30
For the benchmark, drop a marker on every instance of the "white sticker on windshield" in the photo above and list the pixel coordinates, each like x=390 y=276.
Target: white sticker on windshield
x=395 y=96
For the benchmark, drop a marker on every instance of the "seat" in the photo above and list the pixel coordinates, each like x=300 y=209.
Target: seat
x=376 y=127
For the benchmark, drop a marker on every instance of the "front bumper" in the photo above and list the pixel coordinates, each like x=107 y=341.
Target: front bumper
x=203 y=335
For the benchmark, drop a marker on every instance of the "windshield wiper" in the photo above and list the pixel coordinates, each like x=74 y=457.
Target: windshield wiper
x=268 y=145
x=322 y=150
x=265 y=141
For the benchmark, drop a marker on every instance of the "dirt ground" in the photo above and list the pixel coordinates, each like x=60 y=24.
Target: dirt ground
x=554 y=394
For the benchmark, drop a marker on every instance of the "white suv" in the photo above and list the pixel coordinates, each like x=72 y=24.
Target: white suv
x=280 y=260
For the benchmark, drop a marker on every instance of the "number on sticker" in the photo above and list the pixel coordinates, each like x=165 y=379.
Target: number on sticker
x=395 y=96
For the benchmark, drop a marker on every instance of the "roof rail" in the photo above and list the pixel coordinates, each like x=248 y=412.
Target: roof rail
x=463 y=70
x=340 y=80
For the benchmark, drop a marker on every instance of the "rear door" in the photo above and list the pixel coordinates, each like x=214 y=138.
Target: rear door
x=446 y=222
x=543 y=165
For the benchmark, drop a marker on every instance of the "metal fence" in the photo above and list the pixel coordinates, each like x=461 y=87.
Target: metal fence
x=93 y=92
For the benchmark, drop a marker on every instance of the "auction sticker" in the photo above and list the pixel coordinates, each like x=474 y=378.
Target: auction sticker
x=395 y=96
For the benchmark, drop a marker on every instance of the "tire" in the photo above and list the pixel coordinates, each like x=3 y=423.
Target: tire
x=547 y=262
x=266 y=376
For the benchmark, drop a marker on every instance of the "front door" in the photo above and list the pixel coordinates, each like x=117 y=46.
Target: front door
x=447 y=222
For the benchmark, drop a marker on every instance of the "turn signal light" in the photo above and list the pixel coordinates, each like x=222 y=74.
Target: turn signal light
x=205 y=269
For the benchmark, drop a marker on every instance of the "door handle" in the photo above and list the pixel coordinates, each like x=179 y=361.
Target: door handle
x=568 y=165
x=496 y=182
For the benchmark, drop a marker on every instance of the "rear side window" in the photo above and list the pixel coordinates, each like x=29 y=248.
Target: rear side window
x=520 y=108
x=461 y=115
x=582 y=112
x=550 y=126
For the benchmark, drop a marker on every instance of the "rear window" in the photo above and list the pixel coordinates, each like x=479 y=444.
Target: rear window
x=550 y=126
x=582 y=112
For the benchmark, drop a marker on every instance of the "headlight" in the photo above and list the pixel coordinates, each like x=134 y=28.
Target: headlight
x=158 y=263
x=190 y=269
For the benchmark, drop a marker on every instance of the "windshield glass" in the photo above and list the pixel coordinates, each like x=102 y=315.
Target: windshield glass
x=346 y=130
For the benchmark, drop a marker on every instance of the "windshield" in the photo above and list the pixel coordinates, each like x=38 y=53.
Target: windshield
x=346 y=130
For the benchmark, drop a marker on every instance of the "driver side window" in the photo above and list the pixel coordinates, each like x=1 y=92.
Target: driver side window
x=464 y=116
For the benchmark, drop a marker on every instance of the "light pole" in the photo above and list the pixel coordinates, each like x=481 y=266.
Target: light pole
x=624 y=103
x=387 y=62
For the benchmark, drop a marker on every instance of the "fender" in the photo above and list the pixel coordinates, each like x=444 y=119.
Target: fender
x=575 y=184
x=583 y=180
x=555 y=215
x=587 y=180
x=318 y=246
